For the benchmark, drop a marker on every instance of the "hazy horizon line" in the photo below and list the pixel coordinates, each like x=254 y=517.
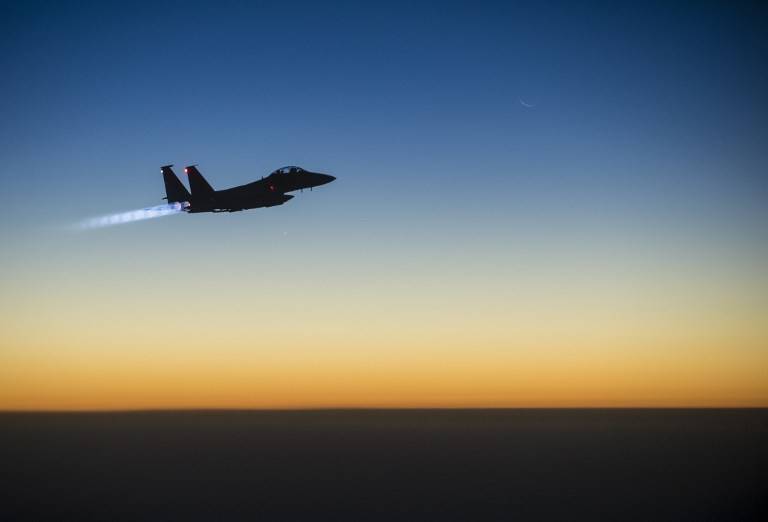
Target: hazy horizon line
x=371 y=409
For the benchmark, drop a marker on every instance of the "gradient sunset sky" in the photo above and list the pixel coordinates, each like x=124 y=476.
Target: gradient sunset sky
x=536 y=205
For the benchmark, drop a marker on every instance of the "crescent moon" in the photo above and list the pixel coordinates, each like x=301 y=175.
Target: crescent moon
x=529 y=105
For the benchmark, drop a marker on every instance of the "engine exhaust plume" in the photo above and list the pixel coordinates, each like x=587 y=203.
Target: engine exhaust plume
x=132 y=216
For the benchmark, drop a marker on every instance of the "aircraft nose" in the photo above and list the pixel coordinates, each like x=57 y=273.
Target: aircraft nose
x=325 y=178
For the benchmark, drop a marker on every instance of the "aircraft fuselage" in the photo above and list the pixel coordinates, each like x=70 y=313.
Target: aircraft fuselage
x=266 y=192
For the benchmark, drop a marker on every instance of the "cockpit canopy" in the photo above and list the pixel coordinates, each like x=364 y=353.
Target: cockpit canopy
x=288 y=170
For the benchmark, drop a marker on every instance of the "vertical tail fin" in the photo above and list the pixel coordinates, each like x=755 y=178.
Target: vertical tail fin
x=197 y=182
x=175 y=191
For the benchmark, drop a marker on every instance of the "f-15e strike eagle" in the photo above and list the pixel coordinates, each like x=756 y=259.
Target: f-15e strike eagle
x=266 y=192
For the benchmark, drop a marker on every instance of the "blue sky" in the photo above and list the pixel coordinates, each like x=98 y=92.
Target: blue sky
x=643 y=154
x=641 y=113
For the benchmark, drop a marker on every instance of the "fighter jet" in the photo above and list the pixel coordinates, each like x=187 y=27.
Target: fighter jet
x=266 y=192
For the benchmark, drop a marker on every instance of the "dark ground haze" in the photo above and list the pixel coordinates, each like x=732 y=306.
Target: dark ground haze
x=385 y=465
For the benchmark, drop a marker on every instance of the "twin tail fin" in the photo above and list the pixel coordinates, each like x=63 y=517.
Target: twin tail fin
x=175 y=191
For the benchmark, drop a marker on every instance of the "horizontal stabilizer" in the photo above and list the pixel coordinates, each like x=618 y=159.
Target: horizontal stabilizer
x=175 y=190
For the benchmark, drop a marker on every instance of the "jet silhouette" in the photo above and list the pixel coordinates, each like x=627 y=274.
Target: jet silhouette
x=266 y=192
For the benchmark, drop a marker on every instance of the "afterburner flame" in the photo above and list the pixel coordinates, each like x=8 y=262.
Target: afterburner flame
x=134 y=215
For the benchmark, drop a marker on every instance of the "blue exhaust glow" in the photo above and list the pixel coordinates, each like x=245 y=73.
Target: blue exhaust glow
x=132 y=216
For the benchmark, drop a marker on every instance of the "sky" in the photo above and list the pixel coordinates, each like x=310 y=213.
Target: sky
x=536 y=205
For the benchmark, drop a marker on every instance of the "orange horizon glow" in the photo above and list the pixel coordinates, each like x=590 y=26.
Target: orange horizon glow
x=103 y=333
x=344 y=380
